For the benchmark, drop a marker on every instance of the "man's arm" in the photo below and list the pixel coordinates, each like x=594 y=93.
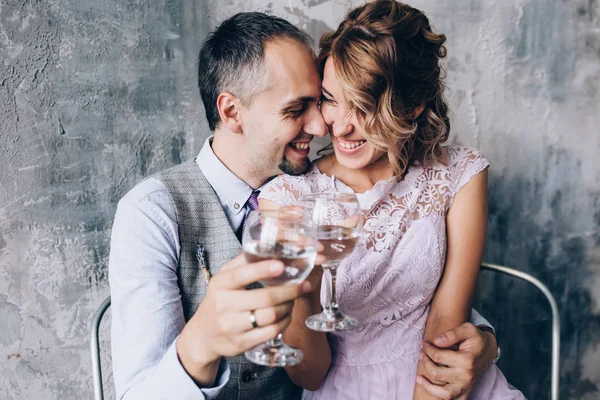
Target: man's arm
x=155 y=353
x=479 y=320
x=147 y=315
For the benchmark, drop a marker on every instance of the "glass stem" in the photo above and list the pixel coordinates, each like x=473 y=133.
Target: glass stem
x=277 y=341
x=331 y=309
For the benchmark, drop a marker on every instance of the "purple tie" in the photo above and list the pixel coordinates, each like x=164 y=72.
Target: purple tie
x=252 y=204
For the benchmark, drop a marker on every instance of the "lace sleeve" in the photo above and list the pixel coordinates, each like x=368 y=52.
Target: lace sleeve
x=465 y=163
x=285 y=190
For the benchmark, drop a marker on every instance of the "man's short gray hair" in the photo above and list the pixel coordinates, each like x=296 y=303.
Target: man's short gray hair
x=231 y=59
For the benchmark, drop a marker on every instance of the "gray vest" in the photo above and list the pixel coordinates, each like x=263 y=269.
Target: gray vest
x=202 y=222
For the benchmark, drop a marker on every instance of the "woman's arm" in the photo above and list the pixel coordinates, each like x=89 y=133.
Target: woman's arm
x=310 y=373
x=466 y=225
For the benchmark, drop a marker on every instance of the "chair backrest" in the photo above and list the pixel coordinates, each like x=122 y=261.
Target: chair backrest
x=554 y=380
x=95 y=349
x=555 y=375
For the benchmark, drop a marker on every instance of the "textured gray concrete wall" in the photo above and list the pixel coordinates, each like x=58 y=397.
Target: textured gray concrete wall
x=96 y=95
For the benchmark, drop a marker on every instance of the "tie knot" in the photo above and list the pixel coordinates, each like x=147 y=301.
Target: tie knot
x=253 y=200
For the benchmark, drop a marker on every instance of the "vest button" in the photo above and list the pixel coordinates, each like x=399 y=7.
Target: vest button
x=247 y=376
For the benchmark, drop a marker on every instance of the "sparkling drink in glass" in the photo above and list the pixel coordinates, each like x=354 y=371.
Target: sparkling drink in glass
x=339 y=219
x=291 y=239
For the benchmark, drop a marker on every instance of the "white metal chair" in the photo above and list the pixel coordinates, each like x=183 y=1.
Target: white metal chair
x=555 y=372
x=554 y=379
x=95 y=349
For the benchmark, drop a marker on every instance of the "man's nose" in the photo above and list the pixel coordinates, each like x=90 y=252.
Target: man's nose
x=316 y=126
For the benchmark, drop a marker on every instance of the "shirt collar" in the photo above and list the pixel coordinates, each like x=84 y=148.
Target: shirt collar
x=231 y=190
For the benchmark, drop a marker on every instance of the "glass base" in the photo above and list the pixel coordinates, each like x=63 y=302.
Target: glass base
x=276 y=354
x=330 y=322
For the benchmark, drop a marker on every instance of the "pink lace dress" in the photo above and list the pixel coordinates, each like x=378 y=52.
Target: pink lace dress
x=389 y=280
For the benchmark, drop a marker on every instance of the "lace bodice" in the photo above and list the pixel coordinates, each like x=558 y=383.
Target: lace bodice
x=389 y=280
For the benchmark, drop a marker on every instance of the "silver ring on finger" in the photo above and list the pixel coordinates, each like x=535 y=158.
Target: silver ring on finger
x=252 y=318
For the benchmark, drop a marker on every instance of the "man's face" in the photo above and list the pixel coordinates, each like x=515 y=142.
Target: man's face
x=282 y=120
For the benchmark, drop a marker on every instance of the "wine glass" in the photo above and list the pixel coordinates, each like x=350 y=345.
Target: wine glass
x=339 y=221
x=289 y=237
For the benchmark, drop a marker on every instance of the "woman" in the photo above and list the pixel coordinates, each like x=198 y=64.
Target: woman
x=413 y=274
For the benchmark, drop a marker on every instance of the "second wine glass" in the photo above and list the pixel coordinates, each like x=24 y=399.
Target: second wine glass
x=338 y=219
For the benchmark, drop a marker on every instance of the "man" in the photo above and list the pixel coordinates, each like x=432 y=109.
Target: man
x=181 y=314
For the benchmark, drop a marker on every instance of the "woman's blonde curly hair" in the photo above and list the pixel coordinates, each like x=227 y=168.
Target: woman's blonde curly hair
x=387 y=60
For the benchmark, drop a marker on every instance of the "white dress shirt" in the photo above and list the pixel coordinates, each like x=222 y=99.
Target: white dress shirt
x=147 y=314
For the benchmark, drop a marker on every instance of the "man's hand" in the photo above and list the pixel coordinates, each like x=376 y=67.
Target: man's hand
x=222 y=326
x=455 y=360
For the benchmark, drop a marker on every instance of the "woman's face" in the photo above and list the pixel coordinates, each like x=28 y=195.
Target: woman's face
x=351 y=148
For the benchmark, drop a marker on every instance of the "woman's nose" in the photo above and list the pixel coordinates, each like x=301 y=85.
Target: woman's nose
x=341 y=127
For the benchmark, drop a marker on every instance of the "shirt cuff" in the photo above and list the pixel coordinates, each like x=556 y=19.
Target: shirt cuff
x=171 y=370
x=220 y=381
x=477 y=319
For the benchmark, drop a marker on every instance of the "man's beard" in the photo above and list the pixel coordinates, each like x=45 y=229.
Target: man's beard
x=290 y=168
